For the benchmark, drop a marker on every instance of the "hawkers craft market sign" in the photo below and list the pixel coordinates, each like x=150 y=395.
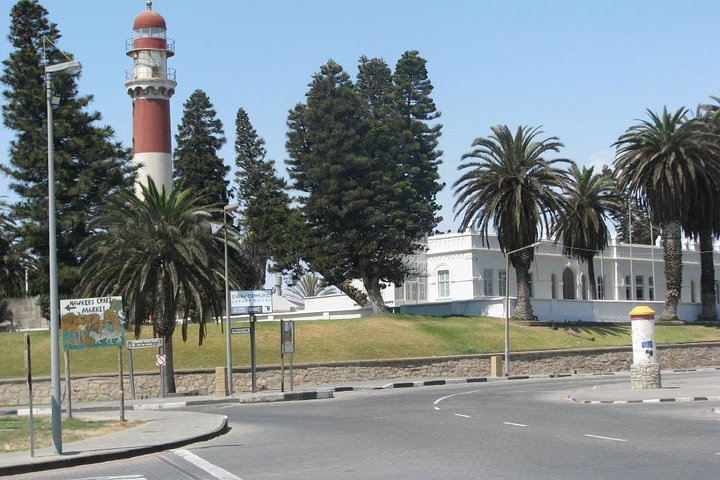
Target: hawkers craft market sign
x=92 y=322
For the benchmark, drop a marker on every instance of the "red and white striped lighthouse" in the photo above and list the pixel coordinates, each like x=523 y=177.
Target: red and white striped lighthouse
x=150 y=84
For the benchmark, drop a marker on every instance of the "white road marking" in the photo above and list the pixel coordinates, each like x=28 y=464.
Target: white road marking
x=213 y=470
x=463 y=416
x=436 y=402
x=436 y=408
x=606 y=438
x=116 y=477
x=515 y=424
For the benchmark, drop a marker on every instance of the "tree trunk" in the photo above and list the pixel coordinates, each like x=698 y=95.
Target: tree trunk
x=707 y=277
x=523 y=307
x=593 y=280
x=169 y=365
x=375 y=300
x=672 y=255
x=355 y=294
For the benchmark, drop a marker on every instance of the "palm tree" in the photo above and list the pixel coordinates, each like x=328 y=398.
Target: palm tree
x=664 y=160
x=590 y=201
x=13 y=261
x=705 y=223
x=514 y=189
x=309 y=285
x=159 y=253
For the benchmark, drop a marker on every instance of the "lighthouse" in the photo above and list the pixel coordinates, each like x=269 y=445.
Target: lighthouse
x=150 y=84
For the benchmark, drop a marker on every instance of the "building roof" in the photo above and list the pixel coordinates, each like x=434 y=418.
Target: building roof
x=149 y=19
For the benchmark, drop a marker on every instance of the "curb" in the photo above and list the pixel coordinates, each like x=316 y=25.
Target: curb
x=319 y=394
x=66 y=462
x=651 y=400
x=256 y=398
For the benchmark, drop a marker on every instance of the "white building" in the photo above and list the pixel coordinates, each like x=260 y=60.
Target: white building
x=457 y=274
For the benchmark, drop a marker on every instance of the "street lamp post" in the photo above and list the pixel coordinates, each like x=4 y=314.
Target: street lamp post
x=507 y=304
x=72 y=67
x=228 y=339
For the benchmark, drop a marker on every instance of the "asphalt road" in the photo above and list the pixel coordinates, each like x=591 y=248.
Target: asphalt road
x=500 y=430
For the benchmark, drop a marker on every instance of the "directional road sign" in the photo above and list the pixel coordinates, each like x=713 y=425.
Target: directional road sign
x=144 y=343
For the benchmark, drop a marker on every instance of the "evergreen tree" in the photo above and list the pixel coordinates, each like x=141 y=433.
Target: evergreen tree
x=196 y=161
x=365 y=158
x=89 y=164
x=269 y=225
x=630 y=207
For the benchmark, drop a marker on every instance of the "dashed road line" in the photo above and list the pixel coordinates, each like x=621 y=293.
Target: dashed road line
x=213 y=470
x=463 y=416
x=606 y=438
x=515 y=424
x=116 y=477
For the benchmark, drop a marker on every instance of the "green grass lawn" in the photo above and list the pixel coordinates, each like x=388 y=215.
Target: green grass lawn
x=392 y=336
x=15 y=431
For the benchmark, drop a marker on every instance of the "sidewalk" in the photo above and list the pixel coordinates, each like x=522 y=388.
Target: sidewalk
x=704 y=385
x=159 y=431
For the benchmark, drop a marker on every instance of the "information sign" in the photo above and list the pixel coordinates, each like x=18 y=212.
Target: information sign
x=144 y=343
x=92 y=322
x=243 y=302
x=288 y=342
x=242 y=330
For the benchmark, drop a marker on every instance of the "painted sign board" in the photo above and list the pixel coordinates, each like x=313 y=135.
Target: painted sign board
x=243 y=302
x=92 y=322
x=241 y=330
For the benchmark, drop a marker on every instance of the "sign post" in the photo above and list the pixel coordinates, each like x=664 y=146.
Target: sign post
x=160 y=360
x=251 y=302
x=137 y=344
x=122 y=386
x=67 y=384
x=91 y=323
x=28 y=374
x=253 y=350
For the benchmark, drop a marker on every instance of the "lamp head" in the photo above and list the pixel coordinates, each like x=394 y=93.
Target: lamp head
x=72 y=67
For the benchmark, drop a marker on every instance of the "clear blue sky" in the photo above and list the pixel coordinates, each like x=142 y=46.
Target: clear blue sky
x=583 y=70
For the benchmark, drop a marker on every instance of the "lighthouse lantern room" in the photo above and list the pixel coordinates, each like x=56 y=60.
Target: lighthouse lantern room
x=150 y=84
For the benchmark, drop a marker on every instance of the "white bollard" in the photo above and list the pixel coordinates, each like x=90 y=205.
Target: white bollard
x=645 y=370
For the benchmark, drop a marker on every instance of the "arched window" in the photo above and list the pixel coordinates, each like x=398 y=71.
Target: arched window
x=583 y=281
x=568 y=284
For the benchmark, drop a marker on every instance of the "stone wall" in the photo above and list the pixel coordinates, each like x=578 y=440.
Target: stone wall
x=202 y=382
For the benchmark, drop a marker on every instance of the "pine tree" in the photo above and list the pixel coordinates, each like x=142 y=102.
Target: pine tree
x=632 y=207
x=90 y=165
x=269 y=225
x=196 y=162
x=364 y=155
